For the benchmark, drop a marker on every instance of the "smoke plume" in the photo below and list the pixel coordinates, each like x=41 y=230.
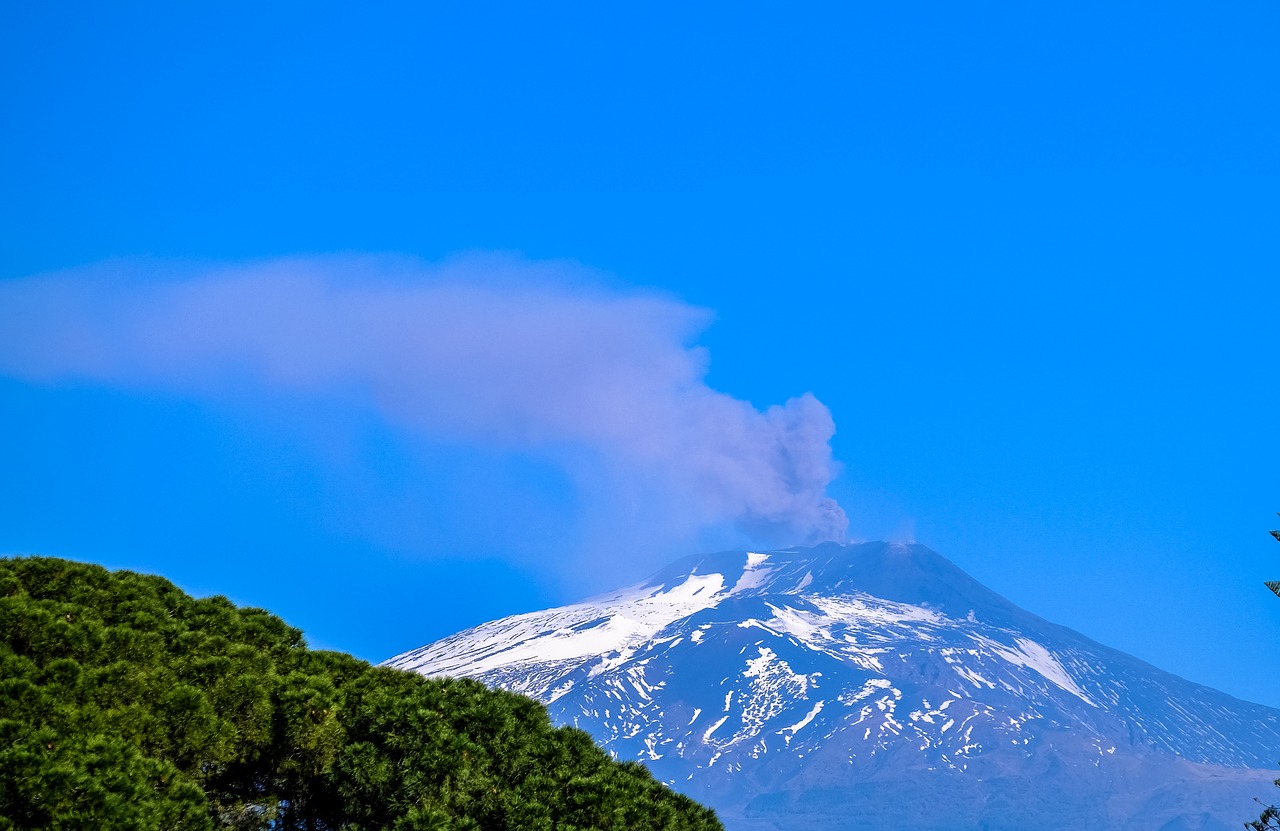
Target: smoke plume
x=536 y=358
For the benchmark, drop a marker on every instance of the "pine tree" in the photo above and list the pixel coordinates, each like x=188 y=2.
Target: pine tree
x=1270 y=819
x=1274 y=585
x=125 y=704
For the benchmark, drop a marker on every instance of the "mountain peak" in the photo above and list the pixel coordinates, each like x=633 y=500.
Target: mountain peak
x=902 y=572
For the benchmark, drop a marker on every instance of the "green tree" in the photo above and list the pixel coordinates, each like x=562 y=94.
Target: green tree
x=126 y=704
x=1274 y=585
x=1270 y=818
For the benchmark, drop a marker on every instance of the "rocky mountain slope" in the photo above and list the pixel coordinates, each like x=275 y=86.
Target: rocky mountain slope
x=875 y=686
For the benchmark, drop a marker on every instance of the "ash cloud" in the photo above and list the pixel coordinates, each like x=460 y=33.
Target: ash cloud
x=537 y=358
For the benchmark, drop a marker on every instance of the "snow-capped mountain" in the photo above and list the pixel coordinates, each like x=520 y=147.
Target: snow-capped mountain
x=875 y=686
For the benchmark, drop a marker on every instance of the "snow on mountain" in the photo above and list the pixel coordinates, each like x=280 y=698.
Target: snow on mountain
x=868 y=686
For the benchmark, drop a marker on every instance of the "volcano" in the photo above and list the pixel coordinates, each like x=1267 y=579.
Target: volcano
x=875 y=686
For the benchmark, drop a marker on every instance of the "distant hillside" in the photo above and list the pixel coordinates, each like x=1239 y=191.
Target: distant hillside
x=126 y=704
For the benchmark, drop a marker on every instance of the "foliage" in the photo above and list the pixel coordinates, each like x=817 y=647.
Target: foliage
x=1270 y=819
x=126 y=704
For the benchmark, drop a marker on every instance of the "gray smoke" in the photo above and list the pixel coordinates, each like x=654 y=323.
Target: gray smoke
x=530 y=357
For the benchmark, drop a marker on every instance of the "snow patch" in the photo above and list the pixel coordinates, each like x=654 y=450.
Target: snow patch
x=607 y=624
x=788 y=733
x=753 y=576
x=1029 y=654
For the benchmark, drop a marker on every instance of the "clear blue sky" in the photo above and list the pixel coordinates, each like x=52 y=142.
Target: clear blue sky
x=1027 y=256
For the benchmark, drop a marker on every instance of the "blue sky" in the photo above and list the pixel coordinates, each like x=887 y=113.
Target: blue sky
x=1026 y=258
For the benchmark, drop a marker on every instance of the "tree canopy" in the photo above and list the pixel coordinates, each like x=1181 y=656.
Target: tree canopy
x=1270 y=819
x=1274 y=585
x=127 y=704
